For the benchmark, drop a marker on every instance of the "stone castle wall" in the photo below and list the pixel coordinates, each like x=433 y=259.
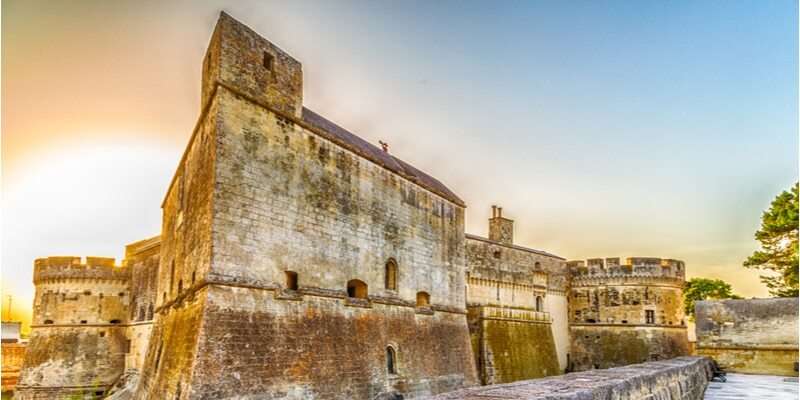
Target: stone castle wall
x=13 y=354
x=143 y=259
x=272 y=194
x=757 y=336
x=510 y=328
x=626 y=313
x=512 y=344
x=77 y=341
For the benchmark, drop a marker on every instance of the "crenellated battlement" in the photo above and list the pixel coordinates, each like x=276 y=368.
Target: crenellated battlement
x=634 y=266
x=70 y=267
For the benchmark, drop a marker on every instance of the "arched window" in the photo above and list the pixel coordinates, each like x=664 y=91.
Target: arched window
x=193 y=274
x=537 y=266
x=114 y=321
x=391 y=360
x=357 y=289
x=291 y=280
x=423 y=299
x=180 y=286
x=48 y=322
x=539 y=303
x=391 y=275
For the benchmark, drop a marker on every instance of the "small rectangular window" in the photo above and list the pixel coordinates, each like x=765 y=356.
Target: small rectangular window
x=291 y=280
x=268 y=61
x=650 y=316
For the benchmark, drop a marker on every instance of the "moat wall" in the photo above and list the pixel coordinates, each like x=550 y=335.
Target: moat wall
x=757 y=336
x=512 y=344
x=684 y=378
x=605 y=346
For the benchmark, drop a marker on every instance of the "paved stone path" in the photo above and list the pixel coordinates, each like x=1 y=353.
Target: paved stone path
x=752 y=387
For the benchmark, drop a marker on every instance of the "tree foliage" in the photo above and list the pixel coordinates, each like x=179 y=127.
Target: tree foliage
x=778 y=238
x=697 y=289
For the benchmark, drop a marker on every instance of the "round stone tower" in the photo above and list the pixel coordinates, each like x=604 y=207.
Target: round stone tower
x=625 y=313
x=77 y=343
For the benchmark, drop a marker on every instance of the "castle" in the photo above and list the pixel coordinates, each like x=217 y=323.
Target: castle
x=297 y=260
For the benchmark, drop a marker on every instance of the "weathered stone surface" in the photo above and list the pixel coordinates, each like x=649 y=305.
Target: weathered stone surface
x=757 y=336
x=90 y=322
x=260 y=196
x=625 y=313
x=77 y=336
x=13 y=356
x=507 y=286
x=682 y=378
x=143 y=259
x=612 y=345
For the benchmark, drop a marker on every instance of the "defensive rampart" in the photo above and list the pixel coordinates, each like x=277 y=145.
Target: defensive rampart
x=757 y=336
x=100 y=268
x=77 y=343
x=682 y=378
x=626 y=313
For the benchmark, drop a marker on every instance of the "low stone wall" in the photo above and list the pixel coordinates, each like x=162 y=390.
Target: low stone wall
x=682 y=378
x=756 y=336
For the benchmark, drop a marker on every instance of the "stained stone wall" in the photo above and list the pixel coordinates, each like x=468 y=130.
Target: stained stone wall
x=142 y=257
x=596 y=346
x=683 y=378
x=625 y=313
x=264 y=190
x=757 y=336
x=78 y=333
x=13 y=354
x=510 y=329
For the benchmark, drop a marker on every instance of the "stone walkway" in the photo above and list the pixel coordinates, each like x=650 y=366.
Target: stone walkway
x=752 y=387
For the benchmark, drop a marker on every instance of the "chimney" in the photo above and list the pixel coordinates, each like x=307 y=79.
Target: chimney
x=501 y=230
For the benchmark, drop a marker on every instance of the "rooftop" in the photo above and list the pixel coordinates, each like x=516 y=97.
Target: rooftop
x=352 y=142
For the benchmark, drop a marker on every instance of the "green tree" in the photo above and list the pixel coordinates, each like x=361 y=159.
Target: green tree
x=778 y=238
x=697 y=289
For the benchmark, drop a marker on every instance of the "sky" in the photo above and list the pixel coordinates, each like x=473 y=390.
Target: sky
x=604 y=129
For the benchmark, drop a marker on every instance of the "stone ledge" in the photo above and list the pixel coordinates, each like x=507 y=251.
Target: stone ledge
x=679 y=378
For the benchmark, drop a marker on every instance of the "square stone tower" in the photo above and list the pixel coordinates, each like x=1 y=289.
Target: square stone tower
x=298 y=260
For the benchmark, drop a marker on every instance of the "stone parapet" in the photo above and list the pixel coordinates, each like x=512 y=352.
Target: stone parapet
x=634 y=266
x=510 y=314
x=643 y=280
x=683 y=378
x=70 y=267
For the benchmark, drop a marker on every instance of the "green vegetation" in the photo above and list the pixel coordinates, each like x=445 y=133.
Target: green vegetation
x=697 y=289
x=778 y=238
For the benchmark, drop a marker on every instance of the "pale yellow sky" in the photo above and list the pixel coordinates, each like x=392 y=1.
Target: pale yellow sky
x=600 y=139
